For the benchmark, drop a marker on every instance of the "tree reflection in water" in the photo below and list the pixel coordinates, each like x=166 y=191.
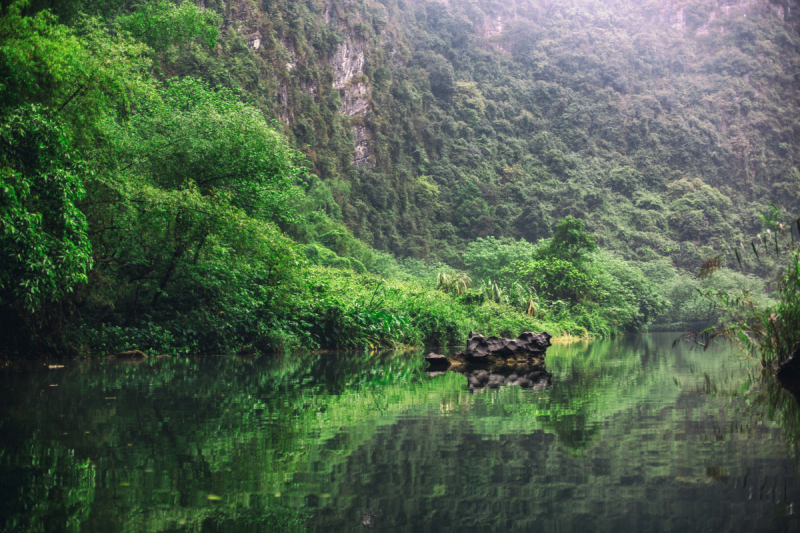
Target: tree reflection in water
x=626 y=434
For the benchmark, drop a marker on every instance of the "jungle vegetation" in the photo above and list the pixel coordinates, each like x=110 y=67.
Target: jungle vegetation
x=167 y=186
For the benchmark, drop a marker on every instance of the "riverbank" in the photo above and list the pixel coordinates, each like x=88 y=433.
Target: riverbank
x=338 y=309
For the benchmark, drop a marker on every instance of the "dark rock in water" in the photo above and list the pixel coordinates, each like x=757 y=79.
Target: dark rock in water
x=489 y=350
x=790 y=369
x=435 y=359
x=535 y=378
x=789 y=375
x=522 y=356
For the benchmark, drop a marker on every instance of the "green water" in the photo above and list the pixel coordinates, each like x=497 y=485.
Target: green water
x=622 y=435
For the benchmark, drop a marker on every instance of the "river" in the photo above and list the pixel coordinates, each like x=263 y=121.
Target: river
x=627 y=434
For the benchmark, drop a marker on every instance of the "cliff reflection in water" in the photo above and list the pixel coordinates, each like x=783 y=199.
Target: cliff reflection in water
x=627 y=434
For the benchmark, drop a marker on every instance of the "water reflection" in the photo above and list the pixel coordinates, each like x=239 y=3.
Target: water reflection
x=479 y=379
x=628 y=434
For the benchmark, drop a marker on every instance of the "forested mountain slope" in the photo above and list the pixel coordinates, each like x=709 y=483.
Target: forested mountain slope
x=664 y=125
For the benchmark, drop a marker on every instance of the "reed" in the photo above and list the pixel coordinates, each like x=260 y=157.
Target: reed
x=772 y=331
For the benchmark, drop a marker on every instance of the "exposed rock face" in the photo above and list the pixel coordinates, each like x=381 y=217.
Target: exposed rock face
x=347 y=62
x=535 y=378
x=253 y=40
x=348 y=78
x=361 y=138
x=490 y=350
x=674 y=13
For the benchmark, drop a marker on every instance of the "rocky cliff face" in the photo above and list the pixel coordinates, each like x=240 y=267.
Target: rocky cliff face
x=301 y=69
x=347 y=63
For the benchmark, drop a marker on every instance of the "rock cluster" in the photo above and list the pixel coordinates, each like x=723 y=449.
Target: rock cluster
x=494 y=362
x=525 y=353
x=484 y=350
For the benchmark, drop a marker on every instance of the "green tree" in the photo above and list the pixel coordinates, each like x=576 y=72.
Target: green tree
x=553 y=279
x=570 y=242
x=486 y=258
x=191 y=133
x=81 y=75
x=162 y=23
x=43 y=235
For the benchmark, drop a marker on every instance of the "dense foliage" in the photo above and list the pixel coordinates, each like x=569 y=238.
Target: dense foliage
x=601 y=291
x=577 y=163
x=161 y=194
x=141 y=212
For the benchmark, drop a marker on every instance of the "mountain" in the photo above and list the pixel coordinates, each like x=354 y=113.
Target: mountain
x=666 y=126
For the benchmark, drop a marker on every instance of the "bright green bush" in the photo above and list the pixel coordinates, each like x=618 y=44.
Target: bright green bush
x=485 y=258
x=552 y=279
x=569 y=278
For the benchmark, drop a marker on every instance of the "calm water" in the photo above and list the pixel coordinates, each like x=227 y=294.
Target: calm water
x=622 y=435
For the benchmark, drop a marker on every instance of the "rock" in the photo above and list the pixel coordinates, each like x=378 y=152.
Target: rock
x=437 y=360
x=129 y=355
x=790 y=369
x=789 y=375
x=496 y=362
x=483 y=350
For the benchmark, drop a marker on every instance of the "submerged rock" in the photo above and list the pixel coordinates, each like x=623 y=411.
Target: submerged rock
x=128 y=355
x=789 y=375
x=790 y=369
